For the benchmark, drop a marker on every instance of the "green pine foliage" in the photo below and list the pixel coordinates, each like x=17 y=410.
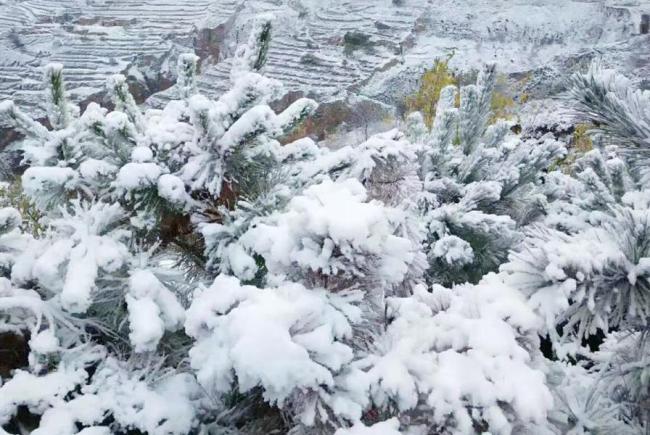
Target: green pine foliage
x=180 y=272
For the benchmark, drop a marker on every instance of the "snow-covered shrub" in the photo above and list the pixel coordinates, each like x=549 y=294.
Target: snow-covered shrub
x=450 y=362
x=100 y=292
x=611 y=102
x=329 y=258
x=460 y=361
x=290 y=341
x=191 y=275
x=599 y=180
x=338 y=222
x=152 y=160
x=594 y=280
x=480 y=182
x=115 y=398
x=330 y=230
x=586 y=271
x=586 y=402
x=349 y=223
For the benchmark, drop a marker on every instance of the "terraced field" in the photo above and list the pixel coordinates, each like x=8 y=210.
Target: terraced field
x=326 y=47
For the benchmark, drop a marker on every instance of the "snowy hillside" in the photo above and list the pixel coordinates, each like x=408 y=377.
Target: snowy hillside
x=325 y=47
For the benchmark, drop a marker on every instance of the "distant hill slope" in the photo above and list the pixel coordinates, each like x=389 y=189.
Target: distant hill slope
x=324 y=47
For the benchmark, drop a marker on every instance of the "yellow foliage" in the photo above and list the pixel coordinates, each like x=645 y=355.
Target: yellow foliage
x=581 y=140
x=501 y=106
x=507 y=97
x=504 y=100
x=432 y=82
x=11 y=195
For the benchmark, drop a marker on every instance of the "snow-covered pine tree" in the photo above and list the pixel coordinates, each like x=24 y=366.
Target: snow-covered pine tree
x=587 y=272
x=459 y=186
x=408 y=351
x=311 y=311
x=311 y=253
x=328 y=256
x=480 y=181
x=101 y=294
x=597 y=180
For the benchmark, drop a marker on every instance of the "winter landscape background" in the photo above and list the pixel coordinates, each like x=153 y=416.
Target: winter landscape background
x=364 y=217
x=388 y=43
